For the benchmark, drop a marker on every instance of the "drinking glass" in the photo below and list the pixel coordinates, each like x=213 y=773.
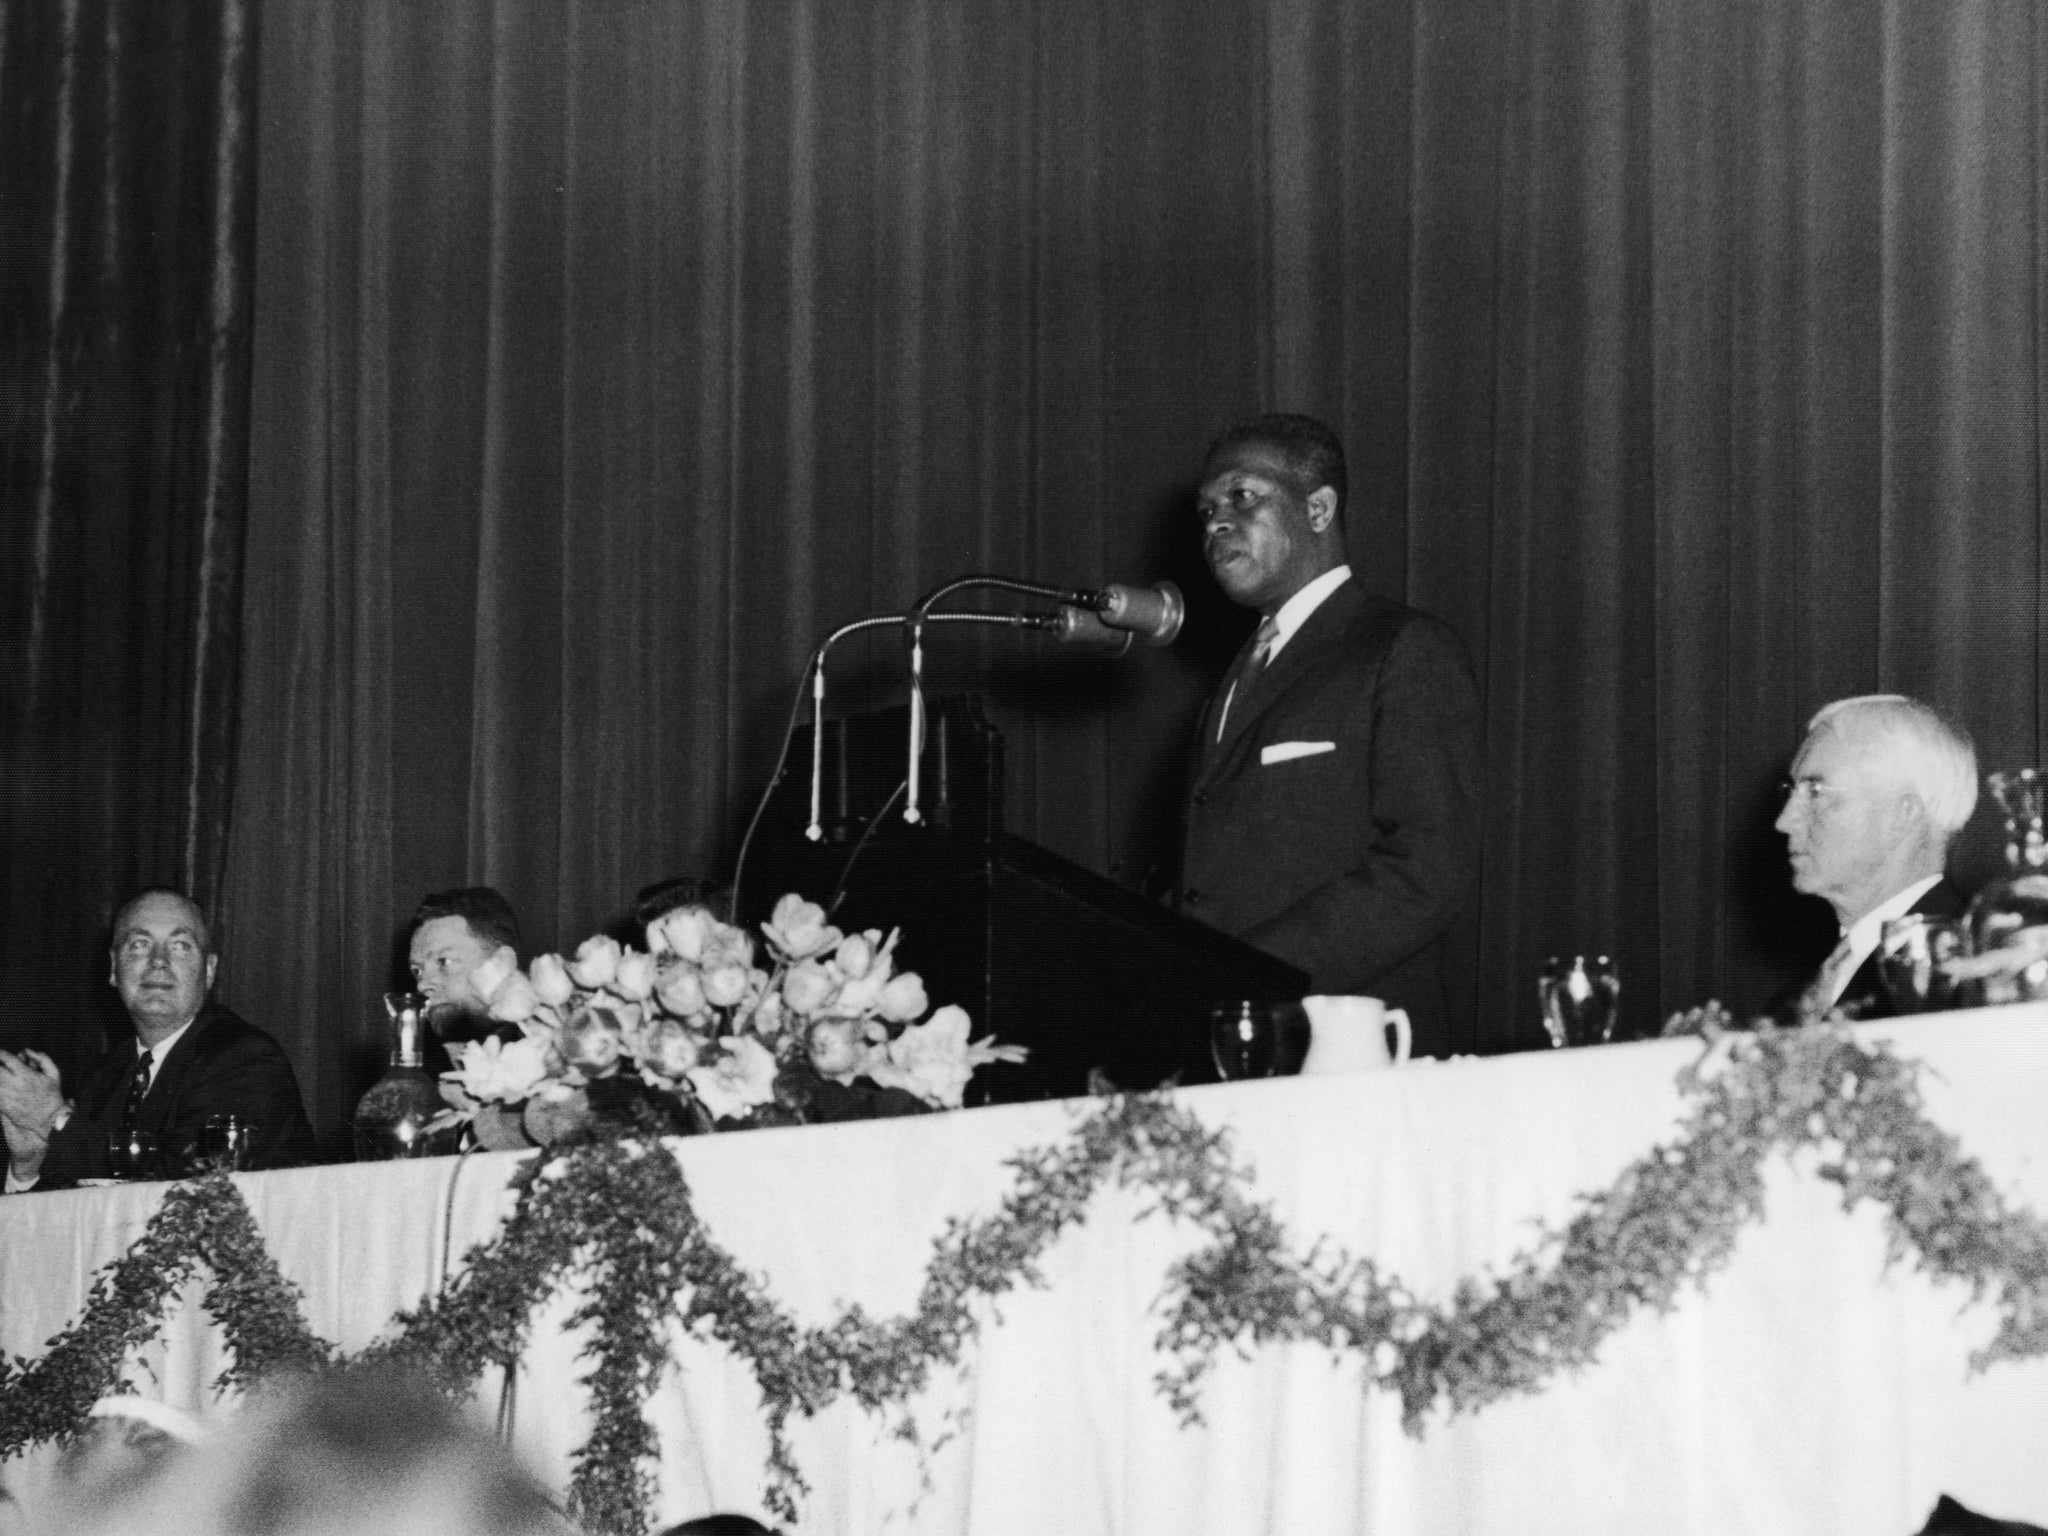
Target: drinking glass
x=1912 y=961
x=1249 y=1037
x=226 y=1142
x=131 y=1155
x=1580 y=997
x=1244 y=1039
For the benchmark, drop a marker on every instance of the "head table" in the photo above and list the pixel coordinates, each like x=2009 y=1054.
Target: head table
x=1806 y=1385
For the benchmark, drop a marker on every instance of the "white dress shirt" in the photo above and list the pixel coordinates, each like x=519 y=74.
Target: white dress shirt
x=1286 y=619
x=1293 y=613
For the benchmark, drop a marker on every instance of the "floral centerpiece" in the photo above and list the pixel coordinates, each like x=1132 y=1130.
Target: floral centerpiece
x=693 y=1034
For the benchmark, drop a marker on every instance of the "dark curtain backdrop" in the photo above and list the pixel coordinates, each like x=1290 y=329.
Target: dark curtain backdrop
x=607 y=355
x=127 y=197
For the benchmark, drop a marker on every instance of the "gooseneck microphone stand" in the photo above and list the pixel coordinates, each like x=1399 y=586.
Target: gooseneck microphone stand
x=1078 y=620
x=921 y=612
x=814 y=676
x=816 y=830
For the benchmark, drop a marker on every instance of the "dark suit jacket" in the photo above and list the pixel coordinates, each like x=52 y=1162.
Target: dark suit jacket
x=1865 y=997
x=221 y=1065
x=1352 y=861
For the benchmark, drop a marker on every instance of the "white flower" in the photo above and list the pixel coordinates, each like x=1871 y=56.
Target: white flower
x=634 y=978
x=495 y=1072
x=807 y=987
x=856 y=953
x=669 y=1049
x=797 y=928
x=836 y=1048
x=681 y=932
x=492 y=972
x=742 y=1078
x=593 y=1039
x=768 y=1016
x=903 y=999
x=928 y=1059
x=862 y=995
x=726 y=985
x=934 y=1061
x=726 y=945
x=514 y=999
x=550 y=980
x=681 y=992
x=596 y=962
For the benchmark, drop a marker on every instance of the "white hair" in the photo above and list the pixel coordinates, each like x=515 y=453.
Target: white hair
x=1930 y=753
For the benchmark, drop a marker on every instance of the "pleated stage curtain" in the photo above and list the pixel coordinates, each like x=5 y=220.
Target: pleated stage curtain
x=127 y=203
x=606 y=356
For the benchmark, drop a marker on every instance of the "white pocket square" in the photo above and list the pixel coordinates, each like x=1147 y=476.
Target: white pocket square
x=1288 y=751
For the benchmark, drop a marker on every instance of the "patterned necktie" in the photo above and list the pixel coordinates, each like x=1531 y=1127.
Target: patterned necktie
x=1254 y=663
x=138 y=1090
x=1834 y=975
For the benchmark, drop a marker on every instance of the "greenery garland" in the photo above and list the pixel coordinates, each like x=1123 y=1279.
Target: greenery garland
x=199 y=1225
x=620 y=1215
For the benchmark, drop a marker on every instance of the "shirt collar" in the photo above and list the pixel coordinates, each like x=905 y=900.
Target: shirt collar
x=1863 y=934
x=162 y=1048
x=1293 y=613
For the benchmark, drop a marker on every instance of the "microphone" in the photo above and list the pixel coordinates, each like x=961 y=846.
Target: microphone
x=1081 y=627
x=1154 y=612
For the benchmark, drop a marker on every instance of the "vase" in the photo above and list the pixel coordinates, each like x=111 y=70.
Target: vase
x=2008 y=920
x=391 y=1119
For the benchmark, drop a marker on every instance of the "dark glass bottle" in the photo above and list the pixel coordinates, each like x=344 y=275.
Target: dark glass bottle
x=391 y=1119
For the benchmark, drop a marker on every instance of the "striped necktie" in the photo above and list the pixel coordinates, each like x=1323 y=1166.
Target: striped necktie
x=1833 y=976
x=1248 y=672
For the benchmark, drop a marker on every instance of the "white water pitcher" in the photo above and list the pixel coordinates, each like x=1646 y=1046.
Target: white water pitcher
x=1349 y=1034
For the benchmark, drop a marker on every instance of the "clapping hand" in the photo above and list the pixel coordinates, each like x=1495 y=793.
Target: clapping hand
x=31 y=1097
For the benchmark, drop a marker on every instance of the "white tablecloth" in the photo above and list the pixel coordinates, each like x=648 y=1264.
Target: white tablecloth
x=1808 y=1389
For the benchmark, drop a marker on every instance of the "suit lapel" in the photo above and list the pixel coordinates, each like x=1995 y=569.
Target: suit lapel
x=1321 y=630
x=177 y=1065
x=109 y=1082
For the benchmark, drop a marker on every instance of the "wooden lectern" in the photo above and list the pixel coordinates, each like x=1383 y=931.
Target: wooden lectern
x=1041 y=952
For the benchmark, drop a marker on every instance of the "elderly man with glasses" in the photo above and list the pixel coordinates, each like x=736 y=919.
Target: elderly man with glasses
x=1880 y=788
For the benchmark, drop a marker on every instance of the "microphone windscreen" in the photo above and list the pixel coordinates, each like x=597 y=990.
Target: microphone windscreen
x=1154 y=612
x=1079 y=627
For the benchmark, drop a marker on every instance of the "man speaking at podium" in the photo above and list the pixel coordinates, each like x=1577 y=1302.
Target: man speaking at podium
x=1332 y=805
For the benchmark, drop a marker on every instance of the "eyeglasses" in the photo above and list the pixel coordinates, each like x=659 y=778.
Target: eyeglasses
x=1810 y=794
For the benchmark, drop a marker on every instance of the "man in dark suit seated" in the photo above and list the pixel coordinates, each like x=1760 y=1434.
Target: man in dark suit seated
x=1332 y=809
x=1881 y=786
x=190 y=1060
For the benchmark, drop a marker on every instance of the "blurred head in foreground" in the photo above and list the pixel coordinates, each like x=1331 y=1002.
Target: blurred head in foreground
x=344 y=1454
x=127 y=1446
x=720 y=1525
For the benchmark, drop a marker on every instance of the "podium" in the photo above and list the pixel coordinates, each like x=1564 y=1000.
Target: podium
x=1041 y=952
